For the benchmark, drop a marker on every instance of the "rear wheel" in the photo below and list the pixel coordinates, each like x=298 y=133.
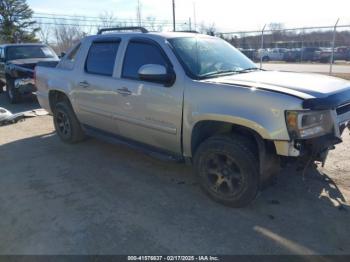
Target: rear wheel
x=227 y=169
x=12 y=93
x=66 y=124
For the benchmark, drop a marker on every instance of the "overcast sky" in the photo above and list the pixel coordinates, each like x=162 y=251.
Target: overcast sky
x=228 y=15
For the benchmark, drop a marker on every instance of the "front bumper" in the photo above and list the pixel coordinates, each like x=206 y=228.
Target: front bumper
x=319 y=146
x=25 y=86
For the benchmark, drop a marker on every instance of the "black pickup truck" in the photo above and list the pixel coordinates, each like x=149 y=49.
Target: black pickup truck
x=17 y=63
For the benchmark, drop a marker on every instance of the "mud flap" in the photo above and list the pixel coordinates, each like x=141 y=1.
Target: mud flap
x=270 y=163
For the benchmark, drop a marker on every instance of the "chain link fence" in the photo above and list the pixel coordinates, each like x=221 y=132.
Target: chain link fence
x=308 y=45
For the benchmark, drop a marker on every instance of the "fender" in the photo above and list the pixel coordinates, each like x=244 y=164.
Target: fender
x=229 y=119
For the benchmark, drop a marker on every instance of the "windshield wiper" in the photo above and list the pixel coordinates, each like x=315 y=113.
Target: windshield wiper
x=219 y=73
x=249 y=69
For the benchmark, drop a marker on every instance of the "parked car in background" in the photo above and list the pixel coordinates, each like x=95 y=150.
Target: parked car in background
x=292 y=55
x=250 y=53
x=195 y=98
x=17 y=63
x=340 y=53
x=310 y=54
x=270 y=54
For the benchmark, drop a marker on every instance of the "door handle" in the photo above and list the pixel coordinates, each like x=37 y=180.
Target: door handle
x=84 y=84
x=124 y=91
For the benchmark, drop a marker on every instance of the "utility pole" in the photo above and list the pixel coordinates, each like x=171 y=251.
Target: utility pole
x=174 y=25
x=139 y=13
x=333 y=46
x=190 y=23
x=195 y=16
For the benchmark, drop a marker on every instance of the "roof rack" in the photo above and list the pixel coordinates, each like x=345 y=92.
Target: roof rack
x=142 y=29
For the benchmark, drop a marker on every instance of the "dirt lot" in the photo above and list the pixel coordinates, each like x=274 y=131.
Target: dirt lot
x=97 y=198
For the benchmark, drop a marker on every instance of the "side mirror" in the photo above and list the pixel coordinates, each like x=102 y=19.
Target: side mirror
x=157 y=74
x=62 y=55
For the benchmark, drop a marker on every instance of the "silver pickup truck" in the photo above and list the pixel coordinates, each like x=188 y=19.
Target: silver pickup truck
x=195 y=98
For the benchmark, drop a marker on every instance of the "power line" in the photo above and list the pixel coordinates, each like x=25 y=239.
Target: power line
x=85 y=25
x=102 y=21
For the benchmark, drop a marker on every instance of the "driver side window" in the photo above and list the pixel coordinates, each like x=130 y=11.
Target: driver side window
x=141 y=53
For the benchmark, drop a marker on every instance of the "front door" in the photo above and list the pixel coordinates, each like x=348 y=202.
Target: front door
x=148 y=112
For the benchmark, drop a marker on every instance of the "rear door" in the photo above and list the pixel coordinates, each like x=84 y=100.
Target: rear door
x=95 y=86
x=148 y=112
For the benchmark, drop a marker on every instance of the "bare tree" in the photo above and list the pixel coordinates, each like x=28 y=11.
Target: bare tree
x=277 y=31
x=44 y=32
x=66 y=36
x=108 y=19
x=208 y=29
x=153 y=25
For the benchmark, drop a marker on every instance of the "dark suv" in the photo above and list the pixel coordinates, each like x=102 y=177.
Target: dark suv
x=17 y=63
x=310 y=54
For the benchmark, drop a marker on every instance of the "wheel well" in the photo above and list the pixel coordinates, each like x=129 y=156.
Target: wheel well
x=205 y=129
x=55 y=97
x=269 y=162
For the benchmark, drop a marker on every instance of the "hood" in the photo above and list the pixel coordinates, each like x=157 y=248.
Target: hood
x=30 y=62
x=302 y=85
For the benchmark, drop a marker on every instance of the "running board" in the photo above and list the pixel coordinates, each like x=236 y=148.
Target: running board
x=154 y=152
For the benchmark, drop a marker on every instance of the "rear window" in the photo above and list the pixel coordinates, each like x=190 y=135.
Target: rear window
x=27 y=52
x=101 y=58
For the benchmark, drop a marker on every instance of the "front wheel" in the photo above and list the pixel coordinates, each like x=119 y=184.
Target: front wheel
x=227 y=170
x=12 y=93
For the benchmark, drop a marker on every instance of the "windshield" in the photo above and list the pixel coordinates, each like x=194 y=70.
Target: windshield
x=25 y=52
x=205 y=57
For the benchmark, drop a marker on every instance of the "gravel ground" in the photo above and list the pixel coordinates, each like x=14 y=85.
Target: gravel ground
x=98 y=198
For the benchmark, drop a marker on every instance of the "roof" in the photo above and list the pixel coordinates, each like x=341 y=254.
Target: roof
x=22 y=44
x=164 y=35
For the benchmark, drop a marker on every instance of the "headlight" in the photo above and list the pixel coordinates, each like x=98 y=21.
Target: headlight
x=308 y=124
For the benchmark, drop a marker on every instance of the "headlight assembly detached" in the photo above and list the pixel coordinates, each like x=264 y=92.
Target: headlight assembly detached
x=309 y=124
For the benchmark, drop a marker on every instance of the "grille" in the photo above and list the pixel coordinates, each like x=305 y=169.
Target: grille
x=343 y=109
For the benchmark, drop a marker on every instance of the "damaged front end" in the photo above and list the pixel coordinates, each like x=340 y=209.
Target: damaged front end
x=319 y=127
x=25 y=86
x=23 y=76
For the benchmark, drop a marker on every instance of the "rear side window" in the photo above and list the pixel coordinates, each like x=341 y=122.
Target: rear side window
x=101 y=58
x=73 y=54
x=139 y=54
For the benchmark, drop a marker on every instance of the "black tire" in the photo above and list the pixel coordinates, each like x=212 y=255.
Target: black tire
x=66 y=124
x=12 y=93
x=227 y=169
